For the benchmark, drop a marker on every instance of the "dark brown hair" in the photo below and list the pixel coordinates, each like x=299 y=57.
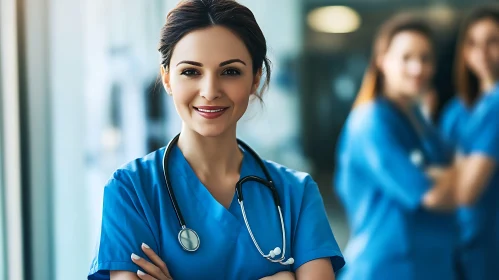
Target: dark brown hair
x=466 y=81
x=372 y=84
x=190 y=15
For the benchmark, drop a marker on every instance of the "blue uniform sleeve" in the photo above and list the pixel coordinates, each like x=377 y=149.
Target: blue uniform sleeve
x=387 y=161
x=485 y=135
x=313 y=238
x=124 y=228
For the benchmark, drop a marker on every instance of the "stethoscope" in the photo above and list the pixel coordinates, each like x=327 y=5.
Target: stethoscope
x=189 y=239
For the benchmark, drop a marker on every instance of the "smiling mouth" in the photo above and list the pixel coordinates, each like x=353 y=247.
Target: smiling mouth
x=210 y=112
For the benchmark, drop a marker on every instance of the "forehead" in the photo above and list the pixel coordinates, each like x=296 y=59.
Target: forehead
x=210 y=46
x=483 y=27
x=409 y=40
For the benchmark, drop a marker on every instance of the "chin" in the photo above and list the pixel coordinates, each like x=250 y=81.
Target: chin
x=416 y=90
x=211 y=130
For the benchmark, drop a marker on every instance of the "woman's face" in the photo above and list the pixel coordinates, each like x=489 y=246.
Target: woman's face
x=407 y=65
x=211 y=79
x=481 y=49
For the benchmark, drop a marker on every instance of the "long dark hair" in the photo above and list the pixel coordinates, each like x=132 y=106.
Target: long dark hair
x=372 y=84
x=190 y=15
x=466 y=81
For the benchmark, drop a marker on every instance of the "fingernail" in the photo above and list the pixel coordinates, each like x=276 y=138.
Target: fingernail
x=135 y=257
x=140 y=273
x=145 y=246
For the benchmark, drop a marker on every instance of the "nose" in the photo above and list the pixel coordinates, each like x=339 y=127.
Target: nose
x=210 y=88
x=415 y=67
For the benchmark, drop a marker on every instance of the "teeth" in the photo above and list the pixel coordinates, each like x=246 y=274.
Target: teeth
x=210 y=111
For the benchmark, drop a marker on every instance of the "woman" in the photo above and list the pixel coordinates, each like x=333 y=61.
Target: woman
x=396 y=210
x=471 y=123
x=213 y=57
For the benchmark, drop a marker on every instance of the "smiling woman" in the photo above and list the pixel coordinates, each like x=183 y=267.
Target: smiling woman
x=213 y=59
x=198 y=77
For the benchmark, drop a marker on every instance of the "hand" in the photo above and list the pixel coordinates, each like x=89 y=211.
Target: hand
x=153 y=271
x=442 y=195
x=442 y=173
x=283 y=275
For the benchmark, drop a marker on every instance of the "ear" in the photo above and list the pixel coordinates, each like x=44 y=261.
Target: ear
x=165 y=79
x=256 y=81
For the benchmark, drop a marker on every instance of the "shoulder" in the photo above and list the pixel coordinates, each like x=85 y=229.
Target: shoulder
x=371 y=118
x=289 y=179
x=452 y=109
x=136 y=175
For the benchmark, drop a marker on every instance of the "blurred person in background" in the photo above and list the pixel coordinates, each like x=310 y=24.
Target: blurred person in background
x=470 y=122
x=213 y=56
x=399 y=212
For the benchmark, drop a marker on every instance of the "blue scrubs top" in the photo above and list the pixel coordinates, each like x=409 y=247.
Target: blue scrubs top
x=137 y=209
x=452 y=123
x=381 y=181
x=479 y=224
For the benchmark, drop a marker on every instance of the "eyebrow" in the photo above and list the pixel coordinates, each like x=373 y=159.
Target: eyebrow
x=230 y=61
x=227 y=62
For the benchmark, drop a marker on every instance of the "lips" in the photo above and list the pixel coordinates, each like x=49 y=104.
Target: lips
x=210 y=112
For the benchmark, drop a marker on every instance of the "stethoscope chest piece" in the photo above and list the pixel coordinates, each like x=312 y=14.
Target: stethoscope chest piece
x=189 y=239
x=417 y=158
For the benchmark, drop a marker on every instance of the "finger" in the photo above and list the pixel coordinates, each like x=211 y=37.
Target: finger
x=144 y=276
x=435 y=173
x=155 y=259
x=149 y=268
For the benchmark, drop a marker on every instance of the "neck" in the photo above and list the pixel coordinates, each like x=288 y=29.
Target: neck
x=405 y=103
x=211 y=156
x=401 y=101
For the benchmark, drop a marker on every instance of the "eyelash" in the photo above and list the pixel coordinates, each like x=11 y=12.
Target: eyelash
x=235 y=72
x=189 y=72
x=193 y=72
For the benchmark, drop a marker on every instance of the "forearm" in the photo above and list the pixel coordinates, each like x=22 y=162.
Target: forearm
x=474 y=174
x=123 y=275
x=319 y=269
x=283 y=275
x=441 y=196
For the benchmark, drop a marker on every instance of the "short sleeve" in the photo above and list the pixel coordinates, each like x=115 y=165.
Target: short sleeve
x=389 y=162
x=484 y=129
x=313 y=238
x=123 y=230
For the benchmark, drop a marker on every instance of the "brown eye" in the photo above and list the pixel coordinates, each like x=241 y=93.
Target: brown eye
x=189 y=72
x=231 y=72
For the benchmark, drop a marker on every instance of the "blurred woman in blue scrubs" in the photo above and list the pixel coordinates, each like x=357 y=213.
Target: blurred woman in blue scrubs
x=399 y=212
x=471 y=123
x=213 y=56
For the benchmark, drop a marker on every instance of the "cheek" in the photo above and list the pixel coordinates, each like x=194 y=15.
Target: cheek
x=183 y=91
x=429 y=70
x=241 y=101
x=494 y=54
x=392 y=68
x=179 y=84
x=239 y=92
x=471 y=59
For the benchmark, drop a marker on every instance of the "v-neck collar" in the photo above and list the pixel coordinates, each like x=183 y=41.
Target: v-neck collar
x=200 y=192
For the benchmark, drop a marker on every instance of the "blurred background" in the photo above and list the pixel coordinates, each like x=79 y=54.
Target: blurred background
x=79 y=97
